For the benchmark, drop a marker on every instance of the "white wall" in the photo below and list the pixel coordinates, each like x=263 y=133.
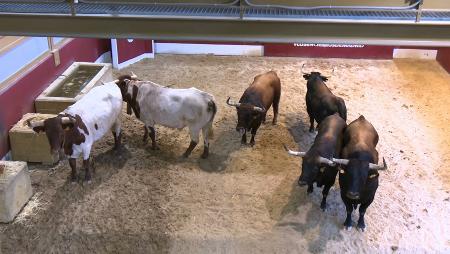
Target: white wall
x=17 y=57
x=216 y=49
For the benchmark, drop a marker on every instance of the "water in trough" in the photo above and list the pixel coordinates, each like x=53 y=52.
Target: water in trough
x=76 y=81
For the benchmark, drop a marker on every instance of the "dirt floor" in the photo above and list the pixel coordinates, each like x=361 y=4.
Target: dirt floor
x=246 y=200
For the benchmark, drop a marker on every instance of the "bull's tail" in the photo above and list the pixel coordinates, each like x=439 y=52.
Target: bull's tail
x=212 y=108
x=342 y=109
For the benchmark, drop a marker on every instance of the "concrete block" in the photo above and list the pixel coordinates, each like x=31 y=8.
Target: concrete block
x=15 y=189
x=27 y=145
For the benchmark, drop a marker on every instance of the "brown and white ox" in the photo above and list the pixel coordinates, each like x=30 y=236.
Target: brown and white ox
x=77 y=128
x=174 y=108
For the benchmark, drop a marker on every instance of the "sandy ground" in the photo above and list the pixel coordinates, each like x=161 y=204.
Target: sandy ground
x=246 y=200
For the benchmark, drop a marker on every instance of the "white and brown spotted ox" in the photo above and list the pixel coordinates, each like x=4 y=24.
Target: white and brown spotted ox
x=174 y=108
x=77 y=128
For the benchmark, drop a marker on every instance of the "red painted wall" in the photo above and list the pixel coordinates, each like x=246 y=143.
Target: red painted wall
x=129 y=50
x=18 y=98
x=443 y=57
x=367 y=52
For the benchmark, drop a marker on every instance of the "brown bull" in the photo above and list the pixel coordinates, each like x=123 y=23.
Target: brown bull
x=252 y=108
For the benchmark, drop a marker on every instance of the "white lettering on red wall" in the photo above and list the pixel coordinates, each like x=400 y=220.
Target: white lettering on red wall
x=323 y=45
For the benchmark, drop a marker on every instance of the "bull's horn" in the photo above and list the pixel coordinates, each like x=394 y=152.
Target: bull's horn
x=133 y=76
x=378 y=167
x=326 y=161
x=67 y=120
x=301 y=69
x=33 y=124
x=262 y=110
x=340 y=161
x=116 y=81
x=300 y=154
x=233 y=104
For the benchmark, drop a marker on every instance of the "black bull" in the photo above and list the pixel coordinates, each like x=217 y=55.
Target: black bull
x=317 y=165
x=358 y=178
x=320 y=101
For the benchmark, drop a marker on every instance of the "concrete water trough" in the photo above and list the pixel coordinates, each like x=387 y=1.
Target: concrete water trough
x=70 y=86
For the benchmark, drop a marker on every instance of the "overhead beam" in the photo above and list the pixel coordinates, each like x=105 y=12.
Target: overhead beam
x=369 y=33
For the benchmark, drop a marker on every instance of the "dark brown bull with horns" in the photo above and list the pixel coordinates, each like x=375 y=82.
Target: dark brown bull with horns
x=317 y=165
x=320 y=101
x=252 y=108
x=358 y=178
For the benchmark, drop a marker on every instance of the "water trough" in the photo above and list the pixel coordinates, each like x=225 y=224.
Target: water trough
x=70 y=86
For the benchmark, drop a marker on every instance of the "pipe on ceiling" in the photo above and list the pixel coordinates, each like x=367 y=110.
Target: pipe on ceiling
x=349 y=7
x=232 y=3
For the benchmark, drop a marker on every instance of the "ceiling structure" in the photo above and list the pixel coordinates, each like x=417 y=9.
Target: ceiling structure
x=376 y=22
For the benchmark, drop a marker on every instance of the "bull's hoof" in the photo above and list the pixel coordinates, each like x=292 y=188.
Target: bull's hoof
x=361 y=226
x=309 y=190
x=348 y=224
x=311 y=130
x=252 y=144
x=155 y=148
x=186 y=155
x=323 y=206
x=73 y=179
x=243 y=143
x=204 y=155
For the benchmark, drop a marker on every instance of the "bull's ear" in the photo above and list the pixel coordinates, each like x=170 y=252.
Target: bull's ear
x=67 y=126
x=372 y=173
x=324 y=78
x=306 y=76
x=38 y=129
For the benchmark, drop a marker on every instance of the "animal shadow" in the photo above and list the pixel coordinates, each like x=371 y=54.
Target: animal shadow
x=221 y=147
x=328 y=226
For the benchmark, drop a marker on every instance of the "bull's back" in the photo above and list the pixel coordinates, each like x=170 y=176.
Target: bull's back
x=266 y=86
x=330 y=133
x=100 y=107
x=175 y=108
x=360 y=137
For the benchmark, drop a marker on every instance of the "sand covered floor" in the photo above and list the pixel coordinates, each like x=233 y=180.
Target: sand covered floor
x=246 y=200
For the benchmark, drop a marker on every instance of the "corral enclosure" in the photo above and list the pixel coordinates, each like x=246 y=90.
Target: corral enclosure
x=246 y=200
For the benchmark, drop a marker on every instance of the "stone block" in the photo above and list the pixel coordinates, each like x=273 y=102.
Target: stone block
x=15 y=189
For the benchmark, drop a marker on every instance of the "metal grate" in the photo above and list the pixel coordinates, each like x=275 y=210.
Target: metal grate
x=267 y=13
x=158 y=10
x=41 y=8
x=217 y=12
x=436 y=16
